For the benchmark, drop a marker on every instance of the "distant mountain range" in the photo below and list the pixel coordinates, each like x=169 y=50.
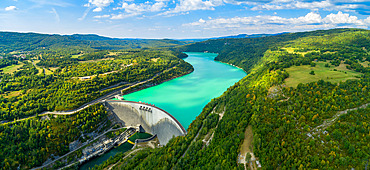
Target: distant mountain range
x=13 y=41
x=94 y=37
x=250 y=35
x=232 y=36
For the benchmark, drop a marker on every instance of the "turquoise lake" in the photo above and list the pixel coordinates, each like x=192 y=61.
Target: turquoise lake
x=186 y=96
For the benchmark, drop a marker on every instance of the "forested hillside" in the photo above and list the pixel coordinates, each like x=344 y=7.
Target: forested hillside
x=295 y=125
x=31 y=142
x=246 y=52
x=60 y=83
x=33 y=42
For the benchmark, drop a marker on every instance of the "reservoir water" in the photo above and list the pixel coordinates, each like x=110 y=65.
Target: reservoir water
x=185 y=97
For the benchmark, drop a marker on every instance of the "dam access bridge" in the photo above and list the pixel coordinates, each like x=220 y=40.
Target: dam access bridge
x=154 y=120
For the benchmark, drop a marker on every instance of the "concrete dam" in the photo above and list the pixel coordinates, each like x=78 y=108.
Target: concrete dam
x=154 y=120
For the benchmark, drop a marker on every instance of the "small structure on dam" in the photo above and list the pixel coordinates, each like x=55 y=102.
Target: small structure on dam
x=154 y=120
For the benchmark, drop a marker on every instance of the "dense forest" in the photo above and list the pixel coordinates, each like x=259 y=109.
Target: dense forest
x=29 y=143
x=301 y=126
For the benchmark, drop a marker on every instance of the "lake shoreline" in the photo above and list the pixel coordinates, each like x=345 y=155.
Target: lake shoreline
x=209 y=79
x=231 y=65
x=206 y=71
x=145 y=86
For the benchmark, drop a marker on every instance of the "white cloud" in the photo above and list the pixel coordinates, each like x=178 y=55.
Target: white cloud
x=367 y=20
x=191 y=5
x=98 y=9
x=274 y=24
x=133 y=9
x=144 y=7
x=313 y=5
x=250 y=2
x=123 y=16
x=57 y=18
x=10 y=8
x=99 y=4
x=341 y=18
x=310 y=18
x=85 y=14
x=102 y=16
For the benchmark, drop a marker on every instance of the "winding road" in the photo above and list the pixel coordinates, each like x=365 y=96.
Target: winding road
x=329 y=122
x=132 y=152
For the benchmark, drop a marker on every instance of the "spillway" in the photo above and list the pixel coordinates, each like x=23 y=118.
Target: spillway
x=154 y=120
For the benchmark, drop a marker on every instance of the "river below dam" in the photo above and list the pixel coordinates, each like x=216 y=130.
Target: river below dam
x=185 y=97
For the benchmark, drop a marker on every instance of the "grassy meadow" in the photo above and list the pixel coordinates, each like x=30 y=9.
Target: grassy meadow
x=301 y=74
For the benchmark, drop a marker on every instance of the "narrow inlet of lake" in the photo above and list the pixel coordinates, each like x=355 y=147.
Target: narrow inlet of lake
x=185 y=97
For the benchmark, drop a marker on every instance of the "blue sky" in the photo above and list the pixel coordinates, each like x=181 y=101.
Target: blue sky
x=180 y=18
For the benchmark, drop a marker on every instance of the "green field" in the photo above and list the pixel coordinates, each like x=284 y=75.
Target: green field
x=292 y=51
x=48 y=72
x=12 y=68
x=76 y=56
x=11 y=94
x=300 y=74
x=365 y=64
x=41 y=69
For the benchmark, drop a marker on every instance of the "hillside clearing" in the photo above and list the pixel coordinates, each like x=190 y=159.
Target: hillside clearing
x=11 y=94
x=76 y=56
x=12 y=68
x=246 y=147
x=97 y=60
x=292 y=51
x=365 y=64
x=300 y=74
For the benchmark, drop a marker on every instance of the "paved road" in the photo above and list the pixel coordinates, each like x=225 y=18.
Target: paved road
x=134 y=151
x=86 y=143
x=329 y=122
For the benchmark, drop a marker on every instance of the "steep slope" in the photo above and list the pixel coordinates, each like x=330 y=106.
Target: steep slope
x=246 y=52
x=284 y=119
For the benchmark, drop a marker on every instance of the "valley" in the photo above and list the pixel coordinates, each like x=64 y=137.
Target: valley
x=303 y=103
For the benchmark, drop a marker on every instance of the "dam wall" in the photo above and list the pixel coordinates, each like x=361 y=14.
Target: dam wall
x=154 y=120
